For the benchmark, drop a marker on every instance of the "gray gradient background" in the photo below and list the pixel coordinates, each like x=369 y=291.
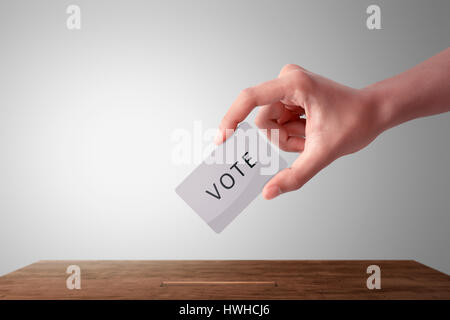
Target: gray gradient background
x=86 y=118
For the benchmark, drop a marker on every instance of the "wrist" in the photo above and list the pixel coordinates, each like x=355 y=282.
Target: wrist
x=382 y=105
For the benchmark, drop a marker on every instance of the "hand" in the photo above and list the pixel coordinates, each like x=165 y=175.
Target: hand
x=339 y=120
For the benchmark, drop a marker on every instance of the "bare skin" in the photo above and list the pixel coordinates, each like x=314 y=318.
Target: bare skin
x=337 y=120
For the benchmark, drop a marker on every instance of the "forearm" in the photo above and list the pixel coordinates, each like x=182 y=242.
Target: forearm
x=421 y=91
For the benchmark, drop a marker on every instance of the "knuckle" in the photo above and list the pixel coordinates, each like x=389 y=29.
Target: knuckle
x=296 y=184
x=300 y=79
x=297 y=179
x=300 y=83
x=289 y=67
x=286 y=180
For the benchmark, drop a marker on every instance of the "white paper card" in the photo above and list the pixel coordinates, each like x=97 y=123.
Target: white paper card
x=230 y=178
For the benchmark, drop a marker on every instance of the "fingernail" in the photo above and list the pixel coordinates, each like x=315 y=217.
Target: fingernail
x=272 y=192
x=219 y=137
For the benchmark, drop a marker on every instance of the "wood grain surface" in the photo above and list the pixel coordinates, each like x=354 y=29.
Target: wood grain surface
x=226 y=279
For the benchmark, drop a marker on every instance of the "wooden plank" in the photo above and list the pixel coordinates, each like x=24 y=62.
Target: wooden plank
x=218 y=283
x=226 y=279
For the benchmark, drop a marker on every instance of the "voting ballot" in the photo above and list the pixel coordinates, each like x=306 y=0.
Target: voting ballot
x=232 y=176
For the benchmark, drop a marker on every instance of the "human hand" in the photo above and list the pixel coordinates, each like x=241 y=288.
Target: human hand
x=338 y=120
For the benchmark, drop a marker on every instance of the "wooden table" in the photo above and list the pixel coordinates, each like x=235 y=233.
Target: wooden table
x=228 y=279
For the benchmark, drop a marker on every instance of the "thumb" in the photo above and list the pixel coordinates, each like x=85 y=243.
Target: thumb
x=306 y=166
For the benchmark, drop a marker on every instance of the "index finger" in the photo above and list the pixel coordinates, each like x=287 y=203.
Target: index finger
x=262 y=94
